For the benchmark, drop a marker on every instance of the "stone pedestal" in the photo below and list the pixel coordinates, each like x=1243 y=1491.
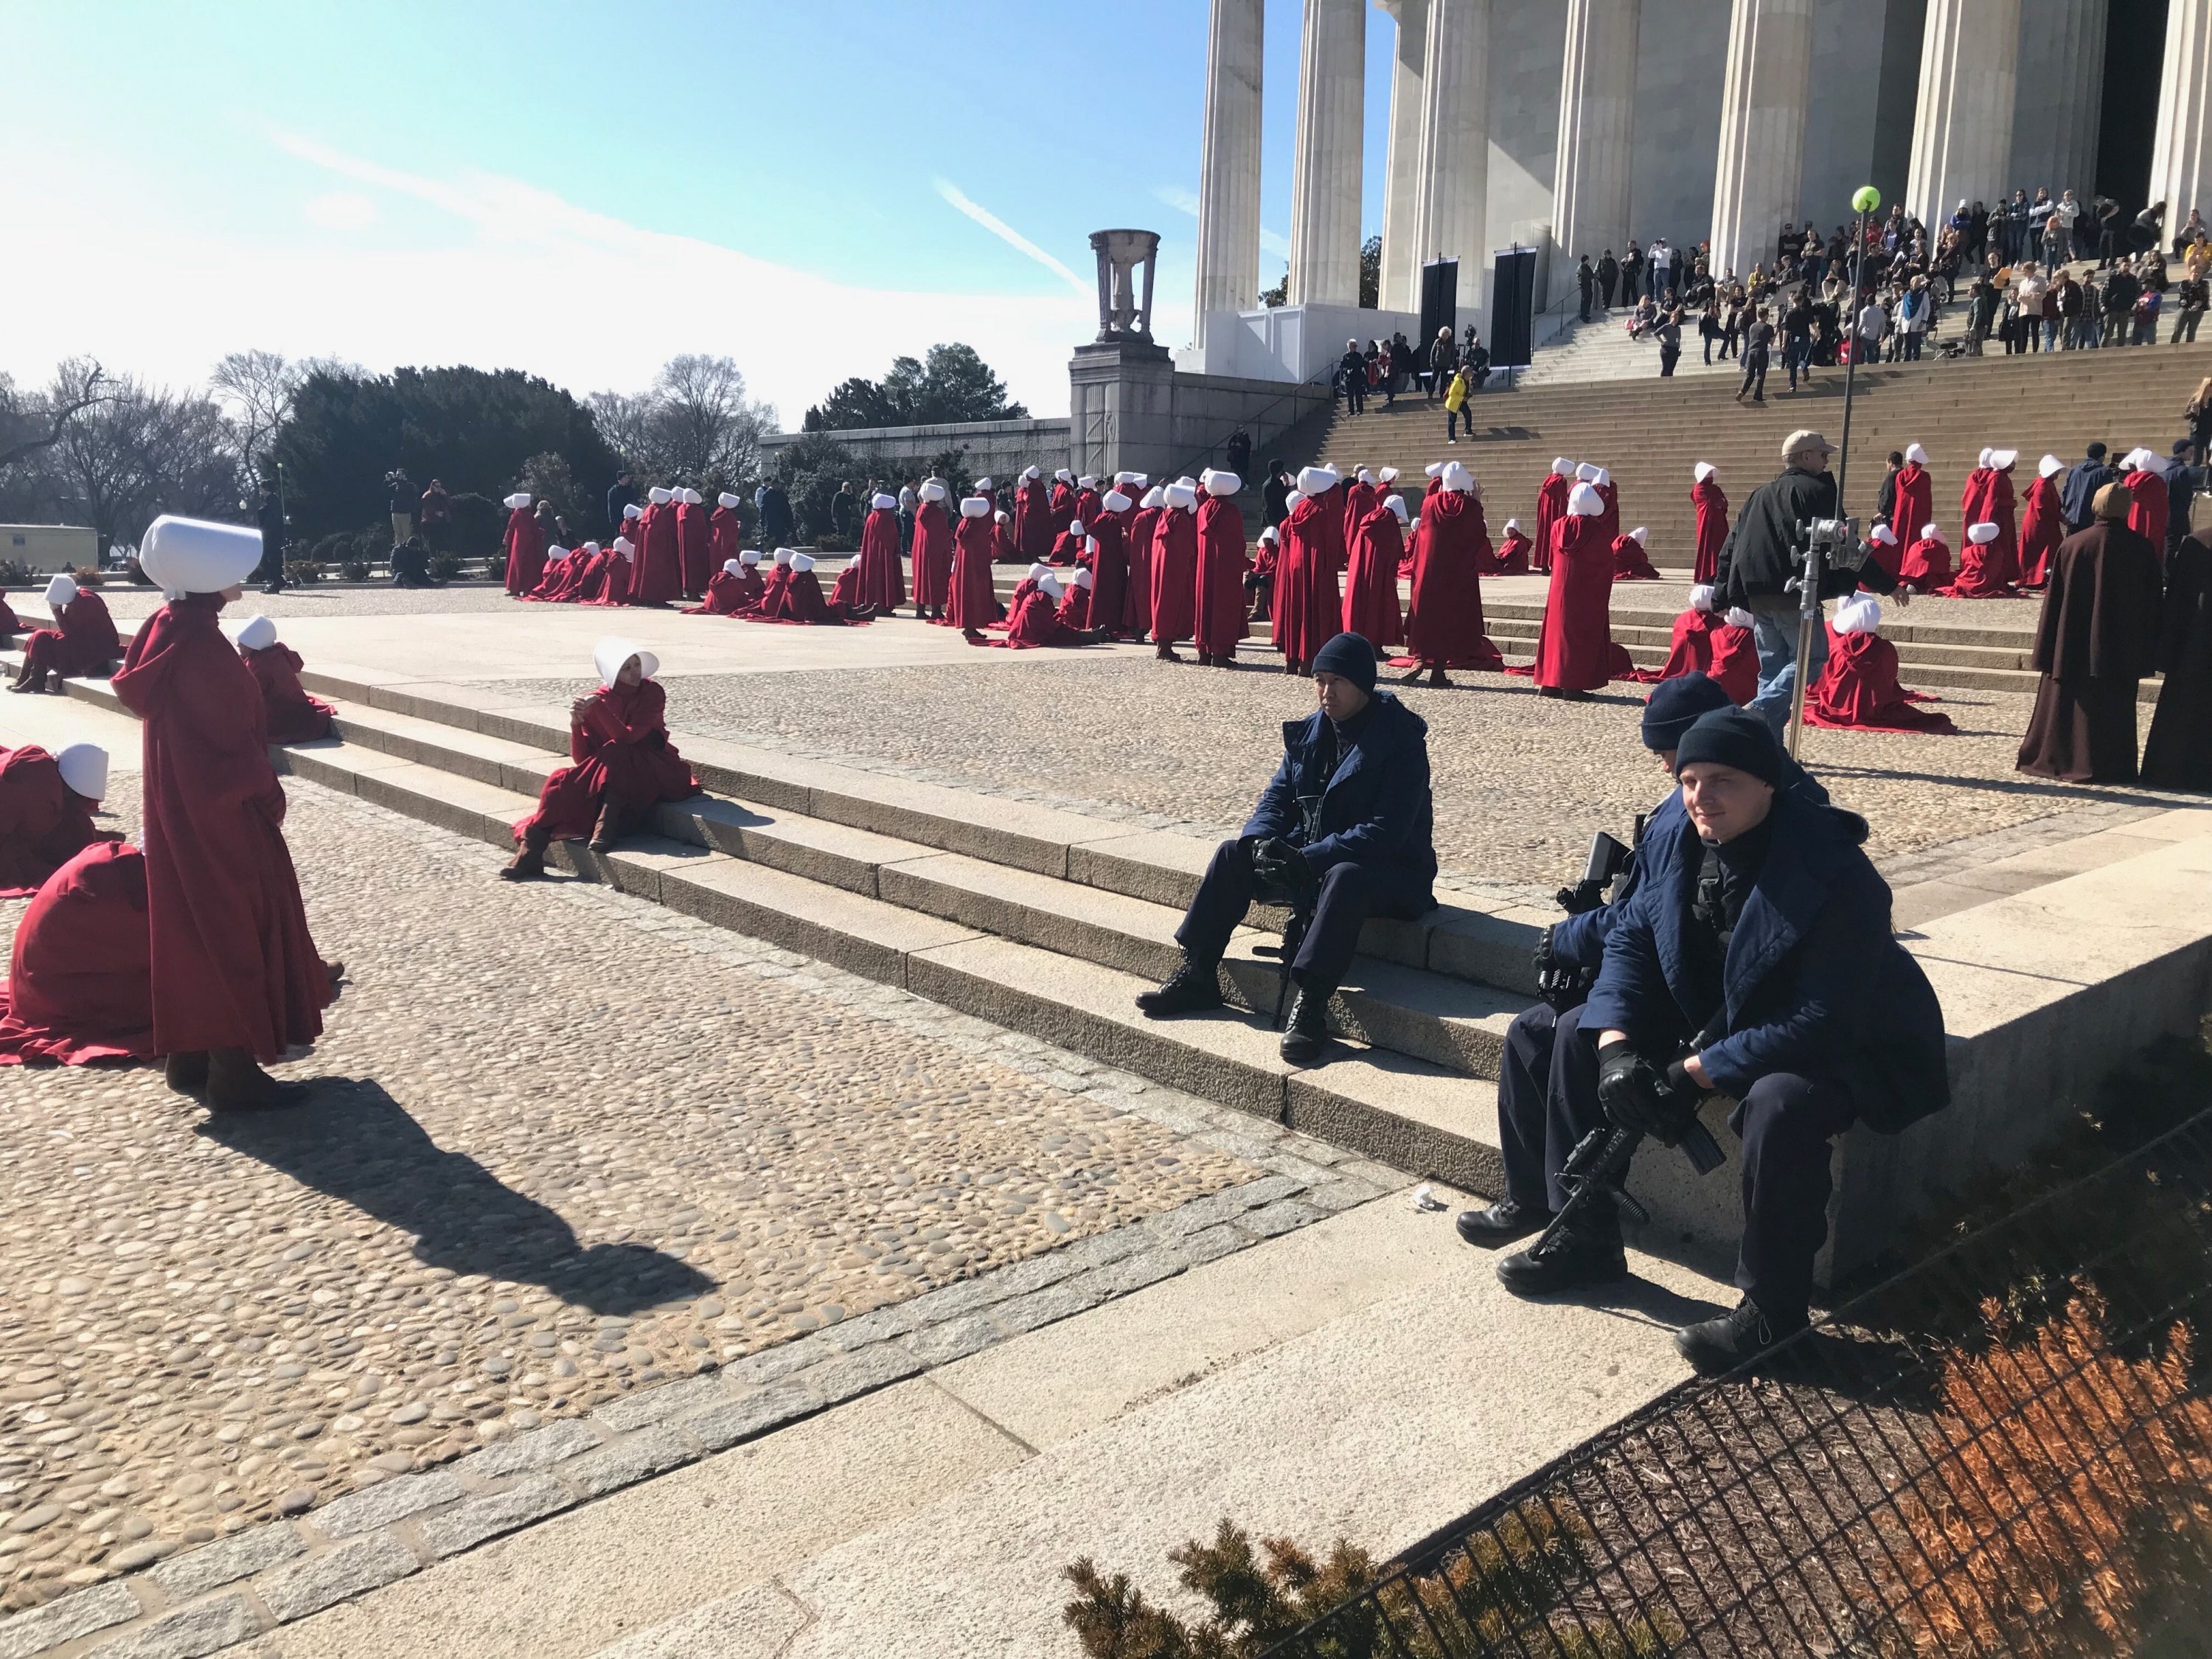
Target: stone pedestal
x=1120 y=407
x=1962 y=126
x=2061 y=82
x=1229 y=165
x=1598 y=136
x=1325 y=172
x=1454 y=187
x=2181 y=160
x=1402 y=256
x=1764 y=94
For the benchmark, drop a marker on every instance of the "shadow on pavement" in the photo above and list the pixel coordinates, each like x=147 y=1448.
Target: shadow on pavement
x=355 y=1142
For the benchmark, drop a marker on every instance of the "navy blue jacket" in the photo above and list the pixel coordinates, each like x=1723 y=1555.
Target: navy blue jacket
x=1374 y=808
x=1814 y=982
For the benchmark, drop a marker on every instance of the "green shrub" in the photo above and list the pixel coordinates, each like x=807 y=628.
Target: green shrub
x=444 y=566
x=355 y=570
x=303 y=570
x=478 y=524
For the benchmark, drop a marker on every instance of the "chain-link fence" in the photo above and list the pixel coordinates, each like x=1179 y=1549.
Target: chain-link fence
x=2005 y=1450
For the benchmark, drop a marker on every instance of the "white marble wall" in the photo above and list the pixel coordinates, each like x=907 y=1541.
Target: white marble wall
x=2060 y=87
x=1528 y=45
x=1684 y=45
x=1839 y=130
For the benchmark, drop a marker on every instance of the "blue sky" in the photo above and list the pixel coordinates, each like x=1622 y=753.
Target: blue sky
x=583 y=191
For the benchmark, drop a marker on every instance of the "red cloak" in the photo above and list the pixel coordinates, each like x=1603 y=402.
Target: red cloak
x=728 y=595
x=1075 y=607
x=805 y=603
x=526 y=551
x=1926 y=565
x=293 y=715
x=80 y=982
x=233 y=965
x=1443 y=615
x=1218 y=617
x=1359 y=500
x=726 y=533
x=971 y=604
x=615 y=578
x=882 y=577
x=2146 y=517
x=1735 y=666
x=83 y=641
x=1690 y=649
x=1574 y=649
x=1063 y=507
x=1609 y=493
x=1985 y=571
x=1067 y=549
x=694 y=547
x=1035 y=622
x=1089 y=504
x=1890 y=555
x=1370 y=588
x=1109 y=567
x=1551 y=507
x=1916 y=502
x=43 y=821
x=1711 y=503
x=659 y=577
x=1033 y=525
x=2042 y=527
x=932 y=556
x=776 y=595
x=1308 y=610
x=555 y=579
x=1858 y=689
x=1513 y=555
x=1973 y=497
x=1137 y=612
x=589 y=585
x=1629 y=561
x=622 y=754
x=1175 y=575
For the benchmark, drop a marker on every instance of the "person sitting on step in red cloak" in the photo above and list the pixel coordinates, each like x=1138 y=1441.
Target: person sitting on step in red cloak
x=1068 y=546
x=806 y=603
x=47 y=804
x=845 y=598
x=1858 y=687
x=236 y=980
x=736 y=587
x=1444 y=626
x=1035 y=619
x=80 y=980
x=1884 y=550
x=1630 y=564
x=623 y=764
x=1926 y=565
x=1218 y=615
x=971 y=602
x=1513 y=550
x=294 y=716
x=776 y=589
x=1981 y=571
x=1259 y=580
x=82 y=642
x=1690 y=651
x=1075 y=603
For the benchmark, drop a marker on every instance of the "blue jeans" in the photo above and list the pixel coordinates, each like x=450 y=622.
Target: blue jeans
x=1774 y=629
x=1797 y=357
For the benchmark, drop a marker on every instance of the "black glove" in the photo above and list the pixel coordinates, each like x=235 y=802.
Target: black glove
x=1542 y=959
x=1629 y=1088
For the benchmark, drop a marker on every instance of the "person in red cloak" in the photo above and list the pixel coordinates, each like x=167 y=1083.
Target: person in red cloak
x=1174 y=571
x=932 y=552
x=1308 y=608
x=47 y=804
x=1033 y=528
x=1067 y=547
x=593 y=574
x=1574 y=647
x=1925 y=567
x=2001 y=508
x=82 y=642
x=620 y=573
x=1443 y=615
x=775 y=590
x=235 y=976
x=1916 y=494
x=1710 y=504
x=1513 y=551
x=1690 y=651
x=293 y=715
x=1551 y=507
x=971 y=604
x=1063 y=501
x=1981 y=570
x=1144 y=533
x=1598 y=478
x=1857 y=689
x=694 y=543
x=1087 y=503
x=1217 y=615
x=1629 y=561
x=2148 y=489
x=883 y=578
x=1370 y=585
x=1075 y=603
x=80 y=980
x=737 y=587
x=1361 y=497
x=623 y=764
x=659 y=577
x=1260 y=580
x=1735 y=664
x=1110 y=600
x=555 y=579
x=726 y=532
x=1036 y=619
x=1884 y=550
x=806 y=603
x=525 y=546
x=2042 y=524
x=1032 y=579
x=1974 y=493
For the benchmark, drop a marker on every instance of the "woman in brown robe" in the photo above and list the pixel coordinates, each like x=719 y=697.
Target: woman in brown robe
x=2098 y=637
x=2178 y=753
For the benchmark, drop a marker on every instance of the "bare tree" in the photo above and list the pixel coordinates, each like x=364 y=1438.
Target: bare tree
x=141 y=451
x=79 y=384
x=626 y=423
x=256 y=389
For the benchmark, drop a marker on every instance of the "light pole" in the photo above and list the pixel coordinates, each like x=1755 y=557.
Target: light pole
x=1864 y=201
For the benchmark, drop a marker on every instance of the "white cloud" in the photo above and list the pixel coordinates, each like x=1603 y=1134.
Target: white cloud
x=340 y=209
x=530 y=281
x=1013 y=239
x=1186 y=201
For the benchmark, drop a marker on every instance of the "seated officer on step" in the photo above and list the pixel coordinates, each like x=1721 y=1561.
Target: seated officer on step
x=1758 y=918
x=1342 y=831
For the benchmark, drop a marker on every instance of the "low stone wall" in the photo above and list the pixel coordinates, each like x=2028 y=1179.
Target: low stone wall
x=999 y=449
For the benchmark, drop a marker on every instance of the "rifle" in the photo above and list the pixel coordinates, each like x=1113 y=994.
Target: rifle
x=1566 y=987
x=1298 y=900
x=1601 y=1158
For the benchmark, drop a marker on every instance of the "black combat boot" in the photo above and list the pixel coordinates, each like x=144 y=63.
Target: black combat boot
x=1501 y=1222
x=1587 y=1251
x=1305 y=1039
x=235 y=1084
x=529 y=862
x=1715 y=1346
x=187 y=1073
x=1192 y=988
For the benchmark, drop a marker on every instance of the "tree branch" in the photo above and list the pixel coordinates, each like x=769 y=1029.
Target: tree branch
x=85 y=397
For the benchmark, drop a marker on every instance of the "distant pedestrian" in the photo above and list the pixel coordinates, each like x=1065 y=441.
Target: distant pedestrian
x=402 y=497
x=1586 y=284
x=1757 y=340
x=1239 y=450
x=1443 y=358
x=1351 y=375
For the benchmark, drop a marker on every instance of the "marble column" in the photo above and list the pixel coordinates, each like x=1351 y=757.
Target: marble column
x=1598 y=136
x=1325 y=174
x=2181 y=159
x=1962 y=125
x=2061 y=83
x=1764 y=94
x=1452 y=198
x=1402 y=256
x=1228 y=164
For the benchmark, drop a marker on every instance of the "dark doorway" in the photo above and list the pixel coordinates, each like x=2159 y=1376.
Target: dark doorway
x=2134 y=50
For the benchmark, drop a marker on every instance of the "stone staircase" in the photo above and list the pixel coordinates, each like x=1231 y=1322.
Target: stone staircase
x=1651 y=432
x=1601 y=350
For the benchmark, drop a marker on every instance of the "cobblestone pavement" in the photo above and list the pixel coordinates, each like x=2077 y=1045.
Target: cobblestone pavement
x=1520 y=780
x=563 y=1145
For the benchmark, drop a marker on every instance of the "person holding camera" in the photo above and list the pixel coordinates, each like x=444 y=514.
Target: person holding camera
x=1343 y=831
x=1754 y=961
